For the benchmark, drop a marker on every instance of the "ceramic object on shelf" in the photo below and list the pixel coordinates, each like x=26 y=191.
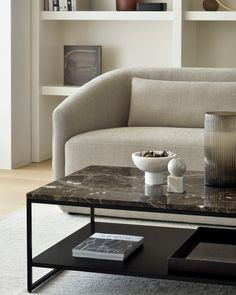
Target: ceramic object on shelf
x=124 y=5
x=153 y=167
x=210 y=5
x=220 y=154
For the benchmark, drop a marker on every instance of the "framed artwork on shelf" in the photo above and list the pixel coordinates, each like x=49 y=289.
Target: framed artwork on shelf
x=81 y=64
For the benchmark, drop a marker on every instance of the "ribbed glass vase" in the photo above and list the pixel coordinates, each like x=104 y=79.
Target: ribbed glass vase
x=220 y=149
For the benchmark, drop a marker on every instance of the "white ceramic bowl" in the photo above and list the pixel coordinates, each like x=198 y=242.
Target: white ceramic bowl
x=153 y=167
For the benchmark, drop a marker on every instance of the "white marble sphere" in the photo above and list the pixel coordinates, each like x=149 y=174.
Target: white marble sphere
x=177 y=167
x=153 y=167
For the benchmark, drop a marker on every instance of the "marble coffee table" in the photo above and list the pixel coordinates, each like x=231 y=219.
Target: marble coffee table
x=123 y=188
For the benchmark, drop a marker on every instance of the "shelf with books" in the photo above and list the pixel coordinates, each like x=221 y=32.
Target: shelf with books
x=108 y=15
x=56 y=90
x=210 y=16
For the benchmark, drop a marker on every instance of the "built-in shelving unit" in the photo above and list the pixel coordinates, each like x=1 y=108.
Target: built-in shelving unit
x=59 y=90
x=108 y=15
x=185 y=35
x=210 y=16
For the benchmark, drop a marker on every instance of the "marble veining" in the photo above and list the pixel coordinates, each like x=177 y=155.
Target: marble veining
x=121 y=186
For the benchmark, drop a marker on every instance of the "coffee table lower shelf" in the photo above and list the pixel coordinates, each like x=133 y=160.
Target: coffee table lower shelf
x=149 y=261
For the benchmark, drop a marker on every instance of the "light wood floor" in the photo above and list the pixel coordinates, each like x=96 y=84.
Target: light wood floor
x=14 y=184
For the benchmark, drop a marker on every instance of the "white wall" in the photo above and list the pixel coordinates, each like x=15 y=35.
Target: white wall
x=124 y=44
x=15 y=89
x=21 y=83
x=5 y=84
x=216 y=44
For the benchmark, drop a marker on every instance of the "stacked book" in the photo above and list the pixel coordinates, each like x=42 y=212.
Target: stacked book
x=151 y=6
x=66 y=5
x=108 y=246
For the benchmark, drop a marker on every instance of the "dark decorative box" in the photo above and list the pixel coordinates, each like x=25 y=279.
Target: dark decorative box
x=208 y=252
x=81 y=64
x=151 y=6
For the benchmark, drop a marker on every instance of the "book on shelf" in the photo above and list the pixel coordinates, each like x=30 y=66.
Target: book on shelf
x=46 y=5
x=81 y=5
x=56 y=5
x=66 y=5
x=69 y=5
x=63 y=5
x=108 y=246
x=50 y=5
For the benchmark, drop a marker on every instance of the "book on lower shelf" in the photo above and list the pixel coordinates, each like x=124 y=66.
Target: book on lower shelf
x=108 y=246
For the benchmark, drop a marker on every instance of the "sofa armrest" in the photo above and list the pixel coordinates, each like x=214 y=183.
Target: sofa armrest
x=102 y=103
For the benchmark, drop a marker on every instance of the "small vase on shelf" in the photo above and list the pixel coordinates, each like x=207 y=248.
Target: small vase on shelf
x=210 y=5
x=127 y=5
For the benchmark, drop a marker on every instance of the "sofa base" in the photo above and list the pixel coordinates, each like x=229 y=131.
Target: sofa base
x=193 y=219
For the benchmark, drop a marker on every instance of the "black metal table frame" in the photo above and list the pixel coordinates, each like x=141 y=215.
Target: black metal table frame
x=33 y=285
x=30 y=284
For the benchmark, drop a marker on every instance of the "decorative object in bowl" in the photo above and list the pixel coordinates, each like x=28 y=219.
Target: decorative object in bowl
x=153 y=164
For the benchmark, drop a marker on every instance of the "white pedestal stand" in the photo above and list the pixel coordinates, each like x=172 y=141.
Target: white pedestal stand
x=154 y=178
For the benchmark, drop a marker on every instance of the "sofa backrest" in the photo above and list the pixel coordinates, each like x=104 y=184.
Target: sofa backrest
x=178 y=103
x=219 y=96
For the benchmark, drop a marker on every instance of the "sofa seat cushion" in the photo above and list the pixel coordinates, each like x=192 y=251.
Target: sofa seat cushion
x=114 y=146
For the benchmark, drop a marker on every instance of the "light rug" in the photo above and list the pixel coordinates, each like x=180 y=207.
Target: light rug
x=50 y=225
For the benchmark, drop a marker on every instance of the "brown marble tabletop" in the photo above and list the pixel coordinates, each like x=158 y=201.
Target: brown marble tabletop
x=124 y=188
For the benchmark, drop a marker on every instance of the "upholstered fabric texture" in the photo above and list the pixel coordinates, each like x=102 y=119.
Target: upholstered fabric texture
x=105 y=102
x=114 y=146
x=178 y=103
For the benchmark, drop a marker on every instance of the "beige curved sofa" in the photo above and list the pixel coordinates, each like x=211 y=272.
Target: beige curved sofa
x=91 y=127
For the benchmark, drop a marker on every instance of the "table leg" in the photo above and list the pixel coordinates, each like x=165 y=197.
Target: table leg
x=29 y=245
x=30 y=285
x=92 y=214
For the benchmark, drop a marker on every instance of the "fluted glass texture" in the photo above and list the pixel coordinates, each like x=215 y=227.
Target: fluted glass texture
x=220 y=149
